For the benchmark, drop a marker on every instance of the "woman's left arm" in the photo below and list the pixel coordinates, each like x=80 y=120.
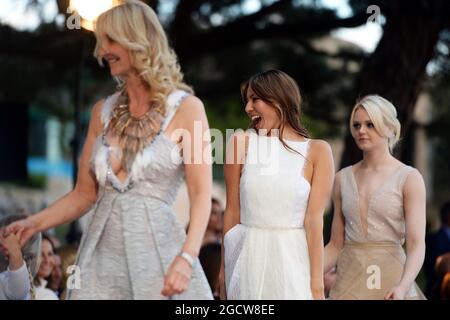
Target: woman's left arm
x=320 y=194
x=414 y=203
x=196 y=145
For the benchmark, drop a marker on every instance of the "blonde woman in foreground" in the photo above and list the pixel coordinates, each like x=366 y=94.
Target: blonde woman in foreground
x=379 y=203
x=131 y=169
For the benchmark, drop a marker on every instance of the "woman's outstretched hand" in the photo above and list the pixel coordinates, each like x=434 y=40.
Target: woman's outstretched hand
x=177 y=278
x=10 y=245
x=26 y=228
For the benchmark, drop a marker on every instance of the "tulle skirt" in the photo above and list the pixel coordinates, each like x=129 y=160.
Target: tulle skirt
x=264 y=263
x=367 y=271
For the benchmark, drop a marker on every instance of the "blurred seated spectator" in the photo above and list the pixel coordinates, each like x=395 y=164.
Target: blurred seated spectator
x=445 y=287
x=210 y=255
x=63 y=257
x=213 y=233
x=442 y=288
x=45 y=270
x=55 y=280
x=30 y=253
x=437 y=244
x=55 y=241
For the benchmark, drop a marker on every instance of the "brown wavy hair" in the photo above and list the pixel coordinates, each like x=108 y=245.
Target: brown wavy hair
x=280 y=91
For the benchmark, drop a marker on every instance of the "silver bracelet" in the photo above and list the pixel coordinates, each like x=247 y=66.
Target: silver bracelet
x=190 y=259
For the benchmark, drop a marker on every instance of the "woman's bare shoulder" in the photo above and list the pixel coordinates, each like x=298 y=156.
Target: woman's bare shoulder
x=191 y=107
x=319 y=148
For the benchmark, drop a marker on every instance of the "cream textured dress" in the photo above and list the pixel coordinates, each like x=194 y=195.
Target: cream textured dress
x=133 y=235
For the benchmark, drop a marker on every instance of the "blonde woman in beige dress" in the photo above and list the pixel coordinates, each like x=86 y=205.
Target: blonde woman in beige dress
x=379 y=203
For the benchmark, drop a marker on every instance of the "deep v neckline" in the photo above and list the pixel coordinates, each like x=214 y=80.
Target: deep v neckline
x=127 y=183
x=373 y=194
x=173 y=102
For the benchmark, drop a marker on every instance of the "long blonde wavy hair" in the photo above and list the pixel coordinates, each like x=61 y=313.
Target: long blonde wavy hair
x=135 y=26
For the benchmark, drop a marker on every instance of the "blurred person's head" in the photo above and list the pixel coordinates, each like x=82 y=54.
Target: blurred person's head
x=445 y=287
x=442 y=265
x=133 y=42
x=442 y=268
x=46 y=260
x=215 y=220
x=30 y=251
x=55 y=241
x=272 y=101
x=56 y=274
x=445 y=214
x=373 y=122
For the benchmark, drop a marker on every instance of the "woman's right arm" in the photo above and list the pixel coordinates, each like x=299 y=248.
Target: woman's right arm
x=336 y=243
x=232 y=171
x=75 y=203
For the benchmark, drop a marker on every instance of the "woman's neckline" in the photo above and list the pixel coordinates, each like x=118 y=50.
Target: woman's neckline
x=285 y=140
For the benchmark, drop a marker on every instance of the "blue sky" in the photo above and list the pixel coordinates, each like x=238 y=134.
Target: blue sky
x=14 y=13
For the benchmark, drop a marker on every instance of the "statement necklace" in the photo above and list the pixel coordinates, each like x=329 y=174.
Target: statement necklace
x=133 y=133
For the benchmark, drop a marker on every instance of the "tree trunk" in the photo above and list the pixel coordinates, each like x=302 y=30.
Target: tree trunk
x=397 y=68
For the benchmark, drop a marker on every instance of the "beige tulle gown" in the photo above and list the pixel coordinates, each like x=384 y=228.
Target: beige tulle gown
x=373 y=258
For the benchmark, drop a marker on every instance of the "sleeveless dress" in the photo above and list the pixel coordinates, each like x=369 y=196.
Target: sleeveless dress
x=132 y=235
x=266 y=255
x=372 y=262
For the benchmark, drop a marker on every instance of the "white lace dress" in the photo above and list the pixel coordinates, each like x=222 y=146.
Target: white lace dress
x=266 y=255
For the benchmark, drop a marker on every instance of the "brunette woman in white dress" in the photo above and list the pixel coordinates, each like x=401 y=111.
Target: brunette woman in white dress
x=278 y=184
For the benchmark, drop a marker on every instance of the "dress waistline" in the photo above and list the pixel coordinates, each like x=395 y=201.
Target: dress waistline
x=368 y=245
x=272 y=228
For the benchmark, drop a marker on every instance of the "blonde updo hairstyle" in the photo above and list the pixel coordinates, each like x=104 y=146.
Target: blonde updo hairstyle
x=383 y=115
x=135 y=26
